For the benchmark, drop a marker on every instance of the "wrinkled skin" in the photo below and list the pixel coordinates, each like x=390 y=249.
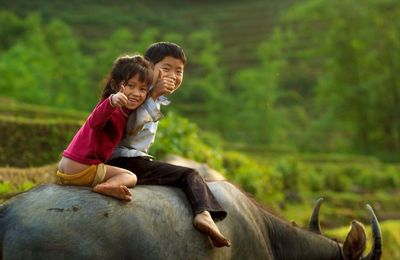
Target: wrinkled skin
x=65 y=222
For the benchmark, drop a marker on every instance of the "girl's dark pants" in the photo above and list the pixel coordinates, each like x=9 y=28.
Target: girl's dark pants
x=189 y=180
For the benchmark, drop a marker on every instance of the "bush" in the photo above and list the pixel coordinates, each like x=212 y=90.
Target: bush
x=290 y=172
x=34 y=142
x=258 y=179
x=177 y=135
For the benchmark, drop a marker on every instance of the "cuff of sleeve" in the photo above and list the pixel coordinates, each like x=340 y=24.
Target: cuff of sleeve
x=110 y=100
x=153 y=110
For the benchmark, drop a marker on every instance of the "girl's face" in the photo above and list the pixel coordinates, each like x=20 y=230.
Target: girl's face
x=171 y=68
x=135 y=91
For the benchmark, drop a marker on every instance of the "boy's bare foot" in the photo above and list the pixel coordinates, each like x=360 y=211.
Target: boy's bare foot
x=117 y=191
x=205 y=224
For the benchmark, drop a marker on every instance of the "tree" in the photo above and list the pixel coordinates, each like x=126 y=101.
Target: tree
x=352 y=50
x=257 y=93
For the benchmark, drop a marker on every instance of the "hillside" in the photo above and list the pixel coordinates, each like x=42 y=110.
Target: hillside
x=281 y=76
x=239 y=26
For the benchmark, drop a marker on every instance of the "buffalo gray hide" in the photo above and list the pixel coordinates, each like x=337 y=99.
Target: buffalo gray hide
x=66 y=222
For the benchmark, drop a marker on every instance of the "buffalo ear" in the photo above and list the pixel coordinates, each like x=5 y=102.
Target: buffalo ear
x=355 y=242
x=294 y=224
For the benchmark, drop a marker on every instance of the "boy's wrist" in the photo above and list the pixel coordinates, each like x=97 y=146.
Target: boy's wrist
x=154 y=95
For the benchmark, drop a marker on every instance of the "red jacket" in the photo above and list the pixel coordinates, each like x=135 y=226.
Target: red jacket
x=96 y=139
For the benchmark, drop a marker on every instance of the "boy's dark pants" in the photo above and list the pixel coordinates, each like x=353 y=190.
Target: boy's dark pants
x=161 y=173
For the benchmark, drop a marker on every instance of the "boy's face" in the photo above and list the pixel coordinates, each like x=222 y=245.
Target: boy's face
x=171 y=68
x=135 y=91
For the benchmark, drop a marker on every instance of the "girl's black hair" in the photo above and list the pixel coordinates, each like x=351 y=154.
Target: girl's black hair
x=159 y=50
x=124 y=68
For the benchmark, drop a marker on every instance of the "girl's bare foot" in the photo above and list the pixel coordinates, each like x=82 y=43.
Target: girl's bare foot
x=204 y=223
x=117 y=191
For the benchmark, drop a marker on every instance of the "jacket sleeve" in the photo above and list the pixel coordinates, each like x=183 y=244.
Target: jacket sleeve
x=101 y=114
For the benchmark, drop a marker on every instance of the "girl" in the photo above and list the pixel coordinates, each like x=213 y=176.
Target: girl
x=82 y=162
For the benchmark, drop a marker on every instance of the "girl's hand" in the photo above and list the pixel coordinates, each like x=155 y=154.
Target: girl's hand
x=119 y=99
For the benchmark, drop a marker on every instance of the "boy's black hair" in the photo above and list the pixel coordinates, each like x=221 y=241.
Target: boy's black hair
x=159 y=50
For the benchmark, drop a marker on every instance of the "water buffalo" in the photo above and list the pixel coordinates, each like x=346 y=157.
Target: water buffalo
x=66 y=222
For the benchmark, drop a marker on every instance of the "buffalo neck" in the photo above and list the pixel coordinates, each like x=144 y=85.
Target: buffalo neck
x=290 y=242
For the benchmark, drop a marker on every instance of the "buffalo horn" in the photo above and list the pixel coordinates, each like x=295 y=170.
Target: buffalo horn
x=314 y=225
x=376 y=251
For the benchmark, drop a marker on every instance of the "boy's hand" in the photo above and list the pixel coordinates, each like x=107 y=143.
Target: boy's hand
x=164 y=85
x=119 y=99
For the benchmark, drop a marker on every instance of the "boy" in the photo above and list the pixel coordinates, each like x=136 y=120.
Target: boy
x=131 y=153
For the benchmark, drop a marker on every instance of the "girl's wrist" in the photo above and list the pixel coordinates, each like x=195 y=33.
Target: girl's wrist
x=111 y=100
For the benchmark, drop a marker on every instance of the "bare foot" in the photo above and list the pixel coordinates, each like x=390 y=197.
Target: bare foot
x=204 y=223
x=117 y=191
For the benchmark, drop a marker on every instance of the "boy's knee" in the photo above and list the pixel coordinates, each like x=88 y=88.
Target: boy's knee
x=192 y=174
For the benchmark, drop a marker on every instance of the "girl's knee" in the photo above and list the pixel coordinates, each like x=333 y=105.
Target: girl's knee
x=133 y=178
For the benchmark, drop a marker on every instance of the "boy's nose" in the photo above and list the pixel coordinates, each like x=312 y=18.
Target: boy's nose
x=172 y=76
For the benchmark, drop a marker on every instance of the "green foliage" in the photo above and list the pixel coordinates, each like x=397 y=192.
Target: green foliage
x=177 y=135
x=257 y=91
x=254 y=177
x=26 y=185
x=44 y=66
x=350 y=50
x=33 y=142
x=324 y=79
x=289 y=170
x=9 y=107
x=5 y=187
x=121 y=41
x=11 y=33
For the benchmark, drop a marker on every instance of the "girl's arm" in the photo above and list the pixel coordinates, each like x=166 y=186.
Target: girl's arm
x=101 y=113
x=105 y=108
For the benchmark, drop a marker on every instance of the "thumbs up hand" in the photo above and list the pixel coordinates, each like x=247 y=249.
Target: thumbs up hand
x=120 y=99
x=163 y=85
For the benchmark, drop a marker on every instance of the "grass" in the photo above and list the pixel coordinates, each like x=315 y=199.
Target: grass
x=12 y=108
x=14 y=180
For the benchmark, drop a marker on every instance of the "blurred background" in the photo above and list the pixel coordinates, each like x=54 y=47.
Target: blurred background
x=291 y=100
